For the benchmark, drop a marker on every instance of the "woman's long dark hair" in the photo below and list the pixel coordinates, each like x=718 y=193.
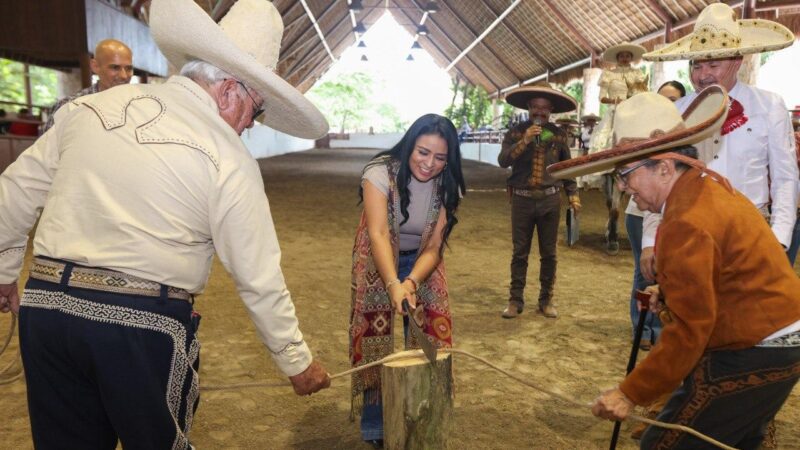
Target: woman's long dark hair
x=452 y=186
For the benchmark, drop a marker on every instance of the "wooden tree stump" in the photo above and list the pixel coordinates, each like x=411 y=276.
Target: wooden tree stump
x=417 y=402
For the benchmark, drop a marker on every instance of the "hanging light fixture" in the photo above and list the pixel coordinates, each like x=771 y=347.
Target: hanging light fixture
x=360 y=28
x=415 y=46
x=422 y=30
x=364 y=58
x=355 y=6
x=361 y=44
x=431 y=8
x=410 y=57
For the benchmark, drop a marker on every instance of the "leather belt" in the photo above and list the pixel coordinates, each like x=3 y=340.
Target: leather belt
x=535 y=193
x=102 y=280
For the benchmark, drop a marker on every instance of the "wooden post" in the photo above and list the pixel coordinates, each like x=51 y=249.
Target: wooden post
x=417 y=402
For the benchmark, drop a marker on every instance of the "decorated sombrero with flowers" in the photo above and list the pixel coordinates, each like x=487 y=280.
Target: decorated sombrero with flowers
x=717 y=34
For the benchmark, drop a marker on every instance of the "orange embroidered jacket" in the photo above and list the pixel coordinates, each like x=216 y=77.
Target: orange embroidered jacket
x=725 y=278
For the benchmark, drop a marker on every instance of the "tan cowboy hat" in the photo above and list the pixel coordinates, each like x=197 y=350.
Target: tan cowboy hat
x=717 y=34
x=610 y=55
x=246 y=44
x=649 y=123
x=520 y=97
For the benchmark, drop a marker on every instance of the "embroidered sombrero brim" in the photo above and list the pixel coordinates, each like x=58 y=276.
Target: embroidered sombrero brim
x=610 y=55
x=757 y=36
x=184 y=32
x=561 y=102
x=702 y=118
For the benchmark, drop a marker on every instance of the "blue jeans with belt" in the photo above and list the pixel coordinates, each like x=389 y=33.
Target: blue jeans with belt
x=652 y=325
x=372 y=414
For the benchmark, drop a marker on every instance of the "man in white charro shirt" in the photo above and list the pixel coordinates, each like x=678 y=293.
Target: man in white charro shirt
x=140 y=185
x=755 y=147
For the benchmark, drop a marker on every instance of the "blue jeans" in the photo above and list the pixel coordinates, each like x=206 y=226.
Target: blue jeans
x=792 y=252
x=372 y=413
x=652 y=326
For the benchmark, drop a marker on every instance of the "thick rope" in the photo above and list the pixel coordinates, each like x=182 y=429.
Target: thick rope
x=6 y=377
x=418 y=353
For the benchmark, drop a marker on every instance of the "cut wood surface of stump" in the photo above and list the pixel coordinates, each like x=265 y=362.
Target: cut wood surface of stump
x=417 y=402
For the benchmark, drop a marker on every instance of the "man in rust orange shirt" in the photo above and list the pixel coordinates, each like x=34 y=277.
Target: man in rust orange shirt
x=731 y=302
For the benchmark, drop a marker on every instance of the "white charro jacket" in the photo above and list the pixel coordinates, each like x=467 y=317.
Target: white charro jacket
x=150 y=181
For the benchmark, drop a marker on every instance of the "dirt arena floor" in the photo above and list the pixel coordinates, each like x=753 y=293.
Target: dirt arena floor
x=313 y=196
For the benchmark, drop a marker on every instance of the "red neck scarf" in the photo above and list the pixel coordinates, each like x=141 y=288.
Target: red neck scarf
x=736 y=117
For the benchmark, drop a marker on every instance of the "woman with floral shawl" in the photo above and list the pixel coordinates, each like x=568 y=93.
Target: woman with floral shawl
x=410 y=194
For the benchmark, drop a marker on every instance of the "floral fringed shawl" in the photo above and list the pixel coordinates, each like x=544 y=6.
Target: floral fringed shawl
x=371 y=313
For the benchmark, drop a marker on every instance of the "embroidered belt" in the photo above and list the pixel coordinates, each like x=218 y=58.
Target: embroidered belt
x=535 y=193
x=102 y=280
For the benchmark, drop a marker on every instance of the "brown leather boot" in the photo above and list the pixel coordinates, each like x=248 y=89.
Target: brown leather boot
x=512 y=310
x=548 y=311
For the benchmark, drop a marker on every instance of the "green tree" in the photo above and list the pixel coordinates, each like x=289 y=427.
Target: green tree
x=344 y=100
x=470 y=103
x=12 y=83
x=388 y=120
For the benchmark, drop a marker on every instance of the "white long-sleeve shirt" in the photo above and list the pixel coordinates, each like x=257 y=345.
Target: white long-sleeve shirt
x=758 y=158
x=149 y=180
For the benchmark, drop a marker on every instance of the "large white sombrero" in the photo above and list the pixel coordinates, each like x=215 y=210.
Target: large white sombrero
x=610 y=55
x=717 y=34
x=520 y=97
x=246 y=44
x=649 y=123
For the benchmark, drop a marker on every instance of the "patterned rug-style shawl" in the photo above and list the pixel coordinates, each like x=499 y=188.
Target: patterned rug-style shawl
x=372 y=317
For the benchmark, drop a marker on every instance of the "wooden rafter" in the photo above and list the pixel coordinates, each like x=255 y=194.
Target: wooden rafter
x=311 y=56
x=450 y=40
x=296 y=64
x=316 y=67
x=221 y=8
x=296 y=20
x=664 y=16
x=474 y=36
x=570 y=27
x=310 y=26
x=513 y=30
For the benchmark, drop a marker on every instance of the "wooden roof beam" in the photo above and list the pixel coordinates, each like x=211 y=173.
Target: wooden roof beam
x=664 y=16
x=513 y=30
x=323 y=14
x=776 y=4
x=319 y=31
x=311 y=71
x=450 y=40
x=221 y=8
x=297 y=64
x=296 y=20
x=586 y=45
x=479 y=39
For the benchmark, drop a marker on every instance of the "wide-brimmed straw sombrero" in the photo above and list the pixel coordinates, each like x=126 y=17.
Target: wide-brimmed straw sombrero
x=246 y=44
x=717 y=34
x=520 y=97
x=649 y=123
x=610 y=55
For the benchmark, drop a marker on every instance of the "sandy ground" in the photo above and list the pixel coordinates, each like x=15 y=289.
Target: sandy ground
x=314 y=203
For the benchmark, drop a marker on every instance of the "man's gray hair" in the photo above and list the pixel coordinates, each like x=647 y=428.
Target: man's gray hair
x=202 y=71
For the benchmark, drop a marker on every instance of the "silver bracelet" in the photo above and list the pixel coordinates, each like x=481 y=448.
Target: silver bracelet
x=392 y=283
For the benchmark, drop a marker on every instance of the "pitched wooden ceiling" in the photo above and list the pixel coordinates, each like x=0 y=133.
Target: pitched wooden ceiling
x=535 y=38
